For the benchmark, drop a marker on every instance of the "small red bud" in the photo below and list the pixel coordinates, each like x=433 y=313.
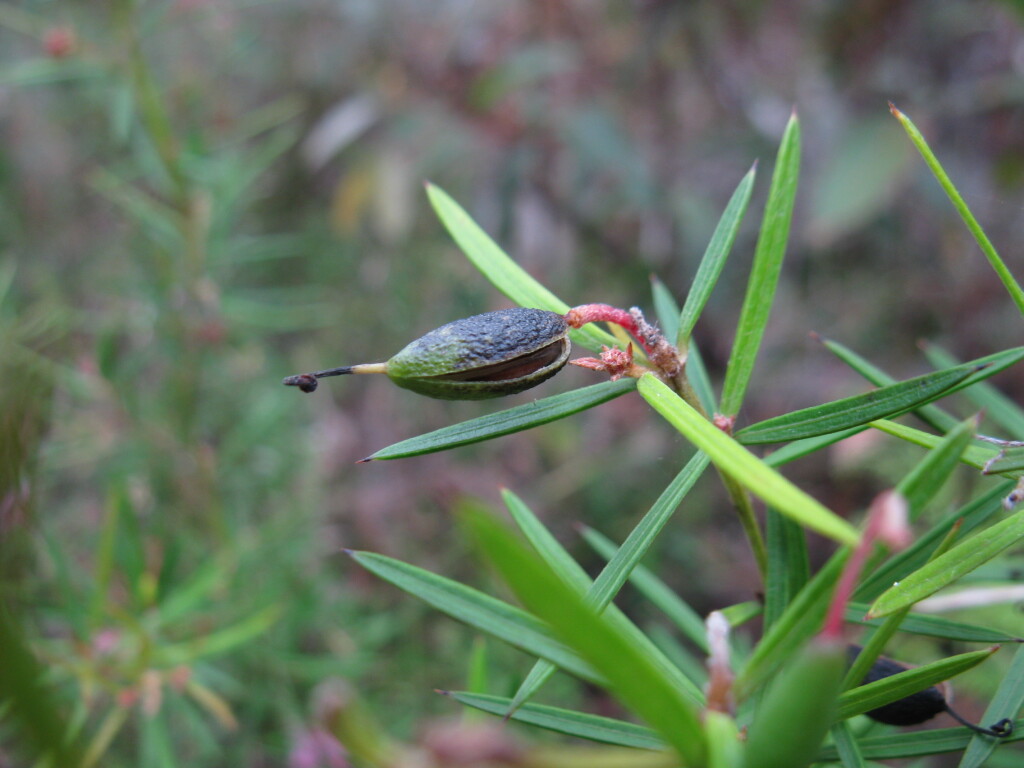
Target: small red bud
x=60 y=42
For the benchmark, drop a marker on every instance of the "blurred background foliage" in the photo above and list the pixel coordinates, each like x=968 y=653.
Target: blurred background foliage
x=202 y=196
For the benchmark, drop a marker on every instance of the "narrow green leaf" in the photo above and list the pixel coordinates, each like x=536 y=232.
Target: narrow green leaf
x=640 y=539
x=160 y=221
x=628 y=670
x=189 y=594
x=714 y=258
x=801 y=619
x=654 y=589
x=934 y=741
x=690 y=663
x=1014 y=289
x=117 y=505
x=798 y=708
x=800 y=448
x=43 y=71
x=483 y=612
x=788 y=567
x=857 y=410
x=934 y=626
x=725 y=741
x=697 y=373
x=665 y=308
x=739 y=614
x=602 y=591
x=30 y=707
x=156 y=746
x=847 y=748
x=546 y=545
x=998 y=407
x=1011 y=461
x=569 y=722
x=219 y=641
x=1006 y=703
x=66 y=581
x=764 y=275
x=102 y=737
x=975 y=455
x=507 y=276
x=736 y=461
x=917 y=488
x=516 y=419
x=925 y=480
x=932 y=415
x=913 y=557
x=944 y=570
x=889 y=689
x=477 y=670
x=621 y=566
x=535 y=678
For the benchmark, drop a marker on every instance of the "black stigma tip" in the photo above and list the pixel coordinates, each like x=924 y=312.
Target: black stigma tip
x=999 y=730
x=305 y=381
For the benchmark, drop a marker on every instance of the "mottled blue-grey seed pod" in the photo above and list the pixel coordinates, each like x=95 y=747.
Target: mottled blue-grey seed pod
x=489 y=355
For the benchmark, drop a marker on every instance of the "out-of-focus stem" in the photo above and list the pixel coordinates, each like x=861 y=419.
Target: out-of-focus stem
x=887 y=522
x=745 y=508
x=737 y=493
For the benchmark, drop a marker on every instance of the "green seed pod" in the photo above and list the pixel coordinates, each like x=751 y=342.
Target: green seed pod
x=489 y=355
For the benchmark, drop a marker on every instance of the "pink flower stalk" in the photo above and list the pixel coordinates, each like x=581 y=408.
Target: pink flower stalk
x=887 y=523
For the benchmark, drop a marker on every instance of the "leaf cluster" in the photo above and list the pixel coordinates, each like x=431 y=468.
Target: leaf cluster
x=791 y=689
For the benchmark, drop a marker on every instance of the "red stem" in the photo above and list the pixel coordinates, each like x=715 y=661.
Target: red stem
x=887 y=522
x=605 y=313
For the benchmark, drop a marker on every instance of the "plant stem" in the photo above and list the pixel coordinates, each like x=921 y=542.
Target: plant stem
x=737 y=493
x=748 y=519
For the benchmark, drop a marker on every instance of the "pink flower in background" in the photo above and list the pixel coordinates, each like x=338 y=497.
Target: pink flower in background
x=316 y=748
